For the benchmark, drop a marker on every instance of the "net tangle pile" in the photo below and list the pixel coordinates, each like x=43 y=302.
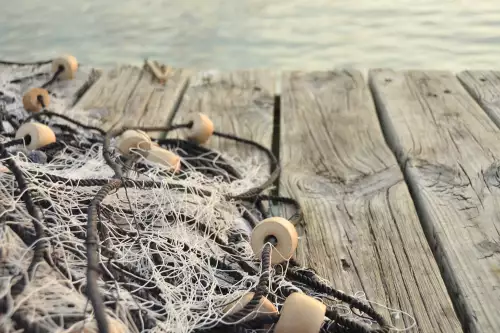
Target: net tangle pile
x=117 y=232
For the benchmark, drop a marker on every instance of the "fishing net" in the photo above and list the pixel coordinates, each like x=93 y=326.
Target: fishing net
x=100 y=238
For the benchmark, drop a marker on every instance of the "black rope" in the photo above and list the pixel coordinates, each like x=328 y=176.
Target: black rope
x=51 y=114
x=17 y=63
x=15 y=142
x=343 y=324
x=30 y=77
x=92 y=254
x=260 y=291
x=274 y=162
x=309 y=280
x=54 y=77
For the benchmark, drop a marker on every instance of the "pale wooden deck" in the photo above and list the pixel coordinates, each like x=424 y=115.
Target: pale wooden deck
x=397 y=174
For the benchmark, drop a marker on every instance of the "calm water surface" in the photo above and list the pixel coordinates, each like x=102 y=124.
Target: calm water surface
x=229 y=34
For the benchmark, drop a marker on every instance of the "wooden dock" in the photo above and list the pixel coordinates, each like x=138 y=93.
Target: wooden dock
x=398 y=173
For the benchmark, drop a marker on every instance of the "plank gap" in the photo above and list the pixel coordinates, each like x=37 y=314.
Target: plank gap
x=177 y=104
x=275 y=145
x=93 y=77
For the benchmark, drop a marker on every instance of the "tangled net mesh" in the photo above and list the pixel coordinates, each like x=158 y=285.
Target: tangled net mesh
x=173 y=249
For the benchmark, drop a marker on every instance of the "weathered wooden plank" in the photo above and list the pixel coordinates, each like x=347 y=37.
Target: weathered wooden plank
x=449 y=148
x=239 y=103
x=132 y=103
x=164 y=100
x=101 y=91
x=109 y=94
x=121 y=97
x=360 y=229
x=484 y=86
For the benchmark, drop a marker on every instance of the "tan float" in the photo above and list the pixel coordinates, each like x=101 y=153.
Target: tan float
x=264 y=307
x=300 y=314
x=31 y=102
x=36 y=135
x=114 y=326
x=133 y=139
x=164 y=157
x=202 y=128
x=69 y=65
x=283 y=231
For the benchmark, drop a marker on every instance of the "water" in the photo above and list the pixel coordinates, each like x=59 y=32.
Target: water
x=231 y=34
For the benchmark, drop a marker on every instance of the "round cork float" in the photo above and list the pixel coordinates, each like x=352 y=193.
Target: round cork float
x=68 y=63
x=132 y=139
x=202 y=128
x=164 y=157
x=264 y=307
x=283 y=231
x=300 y=314
x=31 y=100
x=35 y=135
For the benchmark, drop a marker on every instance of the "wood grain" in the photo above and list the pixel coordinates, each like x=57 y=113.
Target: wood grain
x=165 y=100
x=360 y=230
x=239 y=103
x=484 y=86
x=449 y=149
x=122 y=95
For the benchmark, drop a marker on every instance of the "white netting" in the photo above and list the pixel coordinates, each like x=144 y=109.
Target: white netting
x=164 y=263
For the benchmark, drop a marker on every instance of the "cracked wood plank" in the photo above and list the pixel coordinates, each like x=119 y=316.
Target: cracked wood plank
x=360 y=229
x=122 y=97
x=450 y=150
x=240 y=103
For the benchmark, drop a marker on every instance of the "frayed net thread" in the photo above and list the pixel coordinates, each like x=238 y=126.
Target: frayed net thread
x=147 y=231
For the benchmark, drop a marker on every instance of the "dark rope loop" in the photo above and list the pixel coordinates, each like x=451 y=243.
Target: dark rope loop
x=92 y=261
